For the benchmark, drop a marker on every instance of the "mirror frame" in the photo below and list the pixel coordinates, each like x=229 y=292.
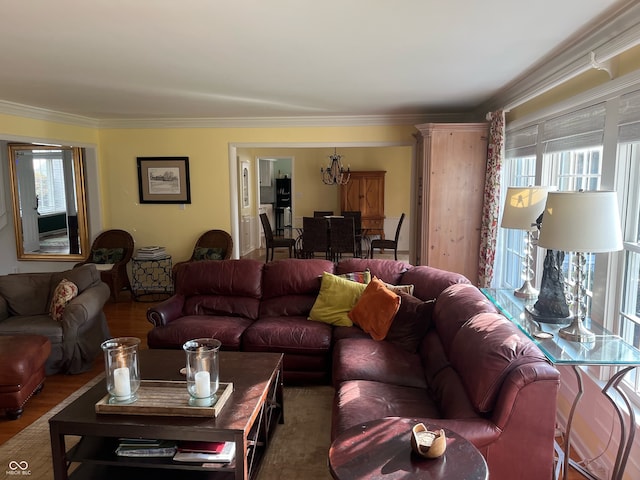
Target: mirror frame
x=78 y=172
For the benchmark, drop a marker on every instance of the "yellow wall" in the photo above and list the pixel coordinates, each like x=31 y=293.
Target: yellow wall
x=18 y=127
x=208 y=151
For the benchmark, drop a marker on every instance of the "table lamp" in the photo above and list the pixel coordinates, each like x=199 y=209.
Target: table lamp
x=522 y=206
x=580 y=222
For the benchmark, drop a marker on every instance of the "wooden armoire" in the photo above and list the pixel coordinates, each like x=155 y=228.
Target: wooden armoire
x=365 y=193
x=450 y=177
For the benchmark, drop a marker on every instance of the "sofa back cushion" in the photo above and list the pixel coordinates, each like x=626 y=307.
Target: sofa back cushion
x=221 y=287
x=290 y=286
x=26 y=293
x=220 y=277
x=454 y=306
x=429 y=282
x=84 y=276
x=389 y=271
x=485 y=350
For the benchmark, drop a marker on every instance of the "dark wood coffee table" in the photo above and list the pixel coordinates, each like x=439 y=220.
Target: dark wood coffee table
x=248 y=418
x=381 y=450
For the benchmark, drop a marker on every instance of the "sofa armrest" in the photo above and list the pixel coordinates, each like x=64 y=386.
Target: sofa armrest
x=4 y=309
x=81 y=309
x=166 y=311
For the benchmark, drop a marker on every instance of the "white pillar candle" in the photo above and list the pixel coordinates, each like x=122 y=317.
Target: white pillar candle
x=203 y=384
x=121 y=382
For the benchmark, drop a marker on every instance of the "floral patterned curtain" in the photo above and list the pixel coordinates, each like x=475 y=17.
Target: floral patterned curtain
x=491 y=206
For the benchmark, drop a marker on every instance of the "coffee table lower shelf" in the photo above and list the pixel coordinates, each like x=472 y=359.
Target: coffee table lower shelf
x=109 y=472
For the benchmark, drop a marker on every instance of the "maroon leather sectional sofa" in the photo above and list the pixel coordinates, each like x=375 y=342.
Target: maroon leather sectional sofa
x=464 y=366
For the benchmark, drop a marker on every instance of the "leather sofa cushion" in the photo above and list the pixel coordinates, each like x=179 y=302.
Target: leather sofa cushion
x=359 y=401
x=287 y=305
x=240 y=278
x=340 y=332
x=287 y=335
x=499 y=347
x=389 y=271
x=411 y=322
x=225 y=305
x=293 y=277
x=429 y=282
x=26 y=294
x=454 y=306
x=368 y=359
x=226 y=329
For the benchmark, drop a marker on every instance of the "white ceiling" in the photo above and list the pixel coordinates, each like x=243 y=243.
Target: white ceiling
x=133 y=59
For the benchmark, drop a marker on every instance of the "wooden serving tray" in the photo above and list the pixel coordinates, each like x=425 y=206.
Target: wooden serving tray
x=158 y=397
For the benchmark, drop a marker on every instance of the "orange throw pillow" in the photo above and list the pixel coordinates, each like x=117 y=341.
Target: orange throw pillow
x=375 y=309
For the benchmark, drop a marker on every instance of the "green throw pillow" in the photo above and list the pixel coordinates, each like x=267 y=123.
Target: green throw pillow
x=204 y=253
x=107 y=255
x=335 y=300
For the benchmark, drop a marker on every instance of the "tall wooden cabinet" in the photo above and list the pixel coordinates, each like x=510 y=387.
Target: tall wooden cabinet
x=365 y=193
x=450 y=176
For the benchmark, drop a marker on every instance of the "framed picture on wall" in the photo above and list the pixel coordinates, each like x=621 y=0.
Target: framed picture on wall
x=245 y=184
x=164 y=180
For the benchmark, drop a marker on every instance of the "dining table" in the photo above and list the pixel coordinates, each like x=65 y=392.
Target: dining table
x=361 y=240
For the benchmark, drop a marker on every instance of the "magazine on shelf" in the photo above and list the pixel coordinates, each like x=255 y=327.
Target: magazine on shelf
x=225 y=455
x=128 y=447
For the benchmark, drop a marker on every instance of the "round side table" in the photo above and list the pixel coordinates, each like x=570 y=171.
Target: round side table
x=381 y=449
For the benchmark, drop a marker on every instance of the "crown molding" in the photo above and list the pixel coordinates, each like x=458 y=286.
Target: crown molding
x=37 y=113
x=279 y=122
x=614 y=34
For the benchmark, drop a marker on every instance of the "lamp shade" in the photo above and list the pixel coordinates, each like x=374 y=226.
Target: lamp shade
x=581 y=222
x=523 y=206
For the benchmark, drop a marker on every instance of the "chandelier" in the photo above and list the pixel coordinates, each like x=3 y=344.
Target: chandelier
x=335 y=174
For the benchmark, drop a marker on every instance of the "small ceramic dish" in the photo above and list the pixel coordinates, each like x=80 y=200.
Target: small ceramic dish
x=427 y=443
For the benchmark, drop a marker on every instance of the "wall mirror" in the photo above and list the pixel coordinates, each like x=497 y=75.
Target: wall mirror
x=48 y=196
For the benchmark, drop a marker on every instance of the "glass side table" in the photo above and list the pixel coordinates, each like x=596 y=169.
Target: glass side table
x=152 y=278
x=607 y=349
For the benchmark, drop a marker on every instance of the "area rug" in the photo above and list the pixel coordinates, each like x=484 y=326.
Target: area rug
x=298 y=448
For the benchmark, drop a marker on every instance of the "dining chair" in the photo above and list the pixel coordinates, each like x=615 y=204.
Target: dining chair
x=342 y=238
x=322 y=213
x=315 y=237
x=357 y=227
x=381 y=244
x=274 y=242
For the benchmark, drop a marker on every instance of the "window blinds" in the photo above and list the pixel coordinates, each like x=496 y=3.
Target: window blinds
x=629 y=118
x=521 y=143
x=578 y=129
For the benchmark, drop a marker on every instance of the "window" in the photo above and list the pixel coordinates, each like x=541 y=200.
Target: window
x=571 y=155
x=48 y=171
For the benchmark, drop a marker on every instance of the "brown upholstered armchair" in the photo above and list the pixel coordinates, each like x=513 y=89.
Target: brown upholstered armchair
x=212 y=245
x=112 y=247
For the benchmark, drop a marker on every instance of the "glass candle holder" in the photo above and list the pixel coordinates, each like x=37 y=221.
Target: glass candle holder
x=202 y=370
x=122 y=368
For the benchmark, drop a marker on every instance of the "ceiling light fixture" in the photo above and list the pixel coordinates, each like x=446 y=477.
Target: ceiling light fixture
x=335 y=174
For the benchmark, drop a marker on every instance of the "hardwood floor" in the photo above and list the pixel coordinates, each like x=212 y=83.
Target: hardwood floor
x=127 y=318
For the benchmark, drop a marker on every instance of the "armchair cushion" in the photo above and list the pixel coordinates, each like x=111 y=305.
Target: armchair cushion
x=205 y=253
x=107 y=255
x=62 y=295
